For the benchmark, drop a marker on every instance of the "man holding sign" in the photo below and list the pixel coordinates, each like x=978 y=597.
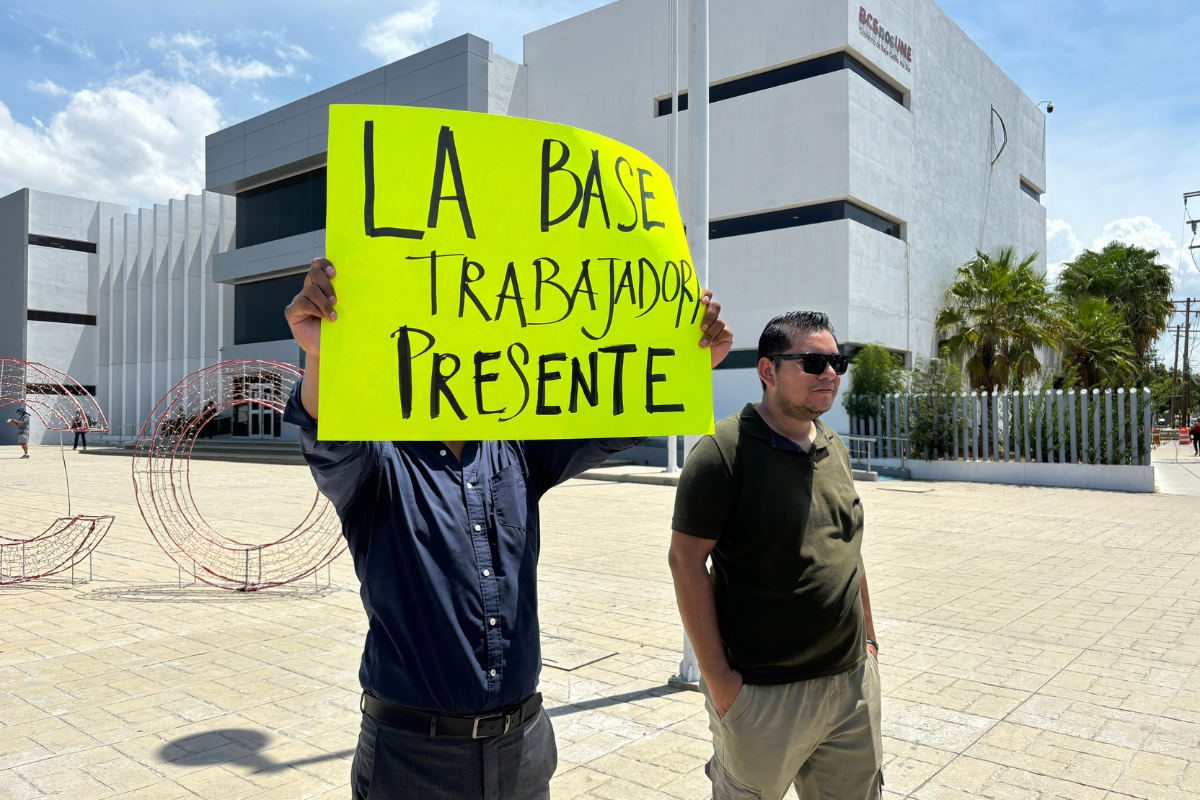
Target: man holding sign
x=482 y=279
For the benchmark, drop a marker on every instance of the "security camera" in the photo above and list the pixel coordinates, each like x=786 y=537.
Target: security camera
x=1050 y=108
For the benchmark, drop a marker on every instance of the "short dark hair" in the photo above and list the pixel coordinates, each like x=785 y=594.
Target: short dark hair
x=777 y=338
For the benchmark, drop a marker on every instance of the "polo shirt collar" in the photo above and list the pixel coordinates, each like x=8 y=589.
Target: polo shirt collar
x=751 y=422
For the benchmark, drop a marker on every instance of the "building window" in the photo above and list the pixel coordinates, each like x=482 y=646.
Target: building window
x=258 y=309
x=1029 y=190
x=740 y=359
x=62 y=244
x=792 y=73
x=55 y=388
x=58 y=316
x=803 y=215
x=281 y=209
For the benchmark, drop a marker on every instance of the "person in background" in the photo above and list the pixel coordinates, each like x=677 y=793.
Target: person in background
x=445 y=538
x=782 y=627
x=80 y=428
x=22 y=422
x=1195 y=431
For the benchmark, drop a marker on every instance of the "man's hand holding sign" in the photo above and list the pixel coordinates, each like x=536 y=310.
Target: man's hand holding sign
x=504 y=289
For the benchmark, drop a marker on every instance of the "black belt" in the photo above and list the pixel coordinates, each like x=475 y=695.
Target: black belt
x=484 y=726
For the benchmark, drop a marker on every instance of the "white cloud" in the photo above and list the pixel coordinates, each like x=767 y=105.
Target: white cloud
x=47 y=87
x=401 y=34
x=186 y=41
x=1062 y=245
x=135 y=140
x=1143 y=232
x=196 y=57
x=71 y=40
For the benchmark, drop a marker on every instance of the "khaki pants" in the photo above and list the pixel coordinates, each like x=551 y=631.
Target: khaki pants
x=820 y=735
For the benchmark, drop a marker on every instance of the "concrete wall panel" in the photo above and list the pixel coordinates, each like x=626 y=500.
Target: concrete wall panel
x=58 y=280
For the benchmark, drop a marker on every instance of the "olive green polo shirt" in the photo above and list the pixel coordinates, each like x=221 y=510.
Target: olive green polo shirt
x=787 y=564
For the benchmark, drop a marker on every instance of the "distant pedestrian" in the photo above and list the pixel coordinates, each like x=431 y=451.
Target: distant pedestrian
x=782 y=625
x=80 y=426
x=1195 y=431
x=22 y=421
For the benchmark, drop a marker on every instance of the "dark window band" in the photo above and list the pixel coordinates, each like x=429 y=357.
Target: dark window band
x=281 y=209
x=258 y=308
x=62 y=244
x=792 y=73
x=748 y=358
x=804 y=215
x=1029 y=190
x=740 y=359
x=59 y=316
x=54 y=388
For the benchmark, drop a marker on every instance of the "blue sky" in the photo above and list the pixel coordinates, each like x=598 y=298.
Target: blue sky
x=112 y=99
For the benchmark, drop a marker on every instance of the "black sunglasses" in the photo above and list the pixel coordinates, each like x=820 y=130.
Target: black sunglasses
x=815 y=363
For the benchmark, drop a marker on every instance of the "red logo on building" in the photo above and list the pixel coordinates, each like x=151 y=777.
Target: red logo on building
x=893 y=46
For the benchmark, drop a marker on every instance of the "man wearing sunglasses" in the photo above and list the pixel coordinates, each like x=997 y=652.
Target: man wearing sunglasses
x=782 y=628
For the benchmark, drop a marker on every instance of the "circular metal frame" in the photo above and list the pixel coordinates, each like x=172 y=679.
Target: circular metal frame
x=162 y=483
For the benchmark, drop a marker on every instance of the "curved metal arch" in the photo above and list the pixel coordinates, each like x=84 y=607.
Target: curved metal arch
x=54 y=397
x=68 y=541
x=162 y=483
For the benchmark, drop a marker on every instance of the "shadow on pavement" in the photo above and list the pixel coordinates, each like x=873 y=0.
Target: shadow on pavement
x=613 y=700
x=228 y=745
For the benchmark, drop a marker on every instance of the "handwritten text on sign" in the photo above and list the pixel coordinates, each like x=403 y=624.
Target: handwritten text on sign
x=503 y=278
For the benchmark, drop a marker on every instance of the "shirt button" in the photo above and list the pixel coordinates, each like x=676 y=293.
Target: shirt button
x=492 y=673
x=492 y=621
x=487 y=572
x=470 y=486
x=441 y=452
x=478 y=527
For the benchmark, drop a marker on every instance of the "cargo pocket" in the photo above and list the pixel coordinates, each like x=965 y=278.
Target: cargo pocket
x=727 y=787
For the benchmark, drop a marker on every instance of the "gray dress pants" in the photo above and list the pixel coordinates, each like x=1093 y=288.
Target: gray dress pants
x=395 y=764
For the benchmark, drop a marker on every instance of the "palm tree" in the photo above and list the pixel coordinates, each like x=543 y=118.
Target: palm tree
x=1095 y=343
x=998 y=312
x=1134 y=284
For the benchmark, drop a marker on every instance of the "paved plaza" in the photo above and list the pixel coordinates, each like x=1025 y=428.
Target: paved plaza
x=1037 y=643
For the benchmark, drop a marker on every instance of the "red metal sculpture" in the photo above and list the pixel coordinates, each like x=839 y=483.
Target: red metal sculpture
x=61 y=404
x=198 y=406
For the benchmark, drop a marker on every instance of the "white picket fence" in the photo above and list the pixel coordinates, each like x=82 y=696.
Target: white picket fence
x=1077 y=429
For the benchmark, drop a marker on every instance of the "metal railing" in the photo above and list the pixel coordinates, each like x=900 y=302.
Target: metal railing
x=860 y=444
x=1046 y=426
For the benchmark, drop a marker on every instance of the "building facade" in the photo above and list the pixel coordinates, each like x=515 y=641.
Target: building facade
x=123 y=302
x=50 y=271
x=860 y=152
x=859 y=155
x=161 y=315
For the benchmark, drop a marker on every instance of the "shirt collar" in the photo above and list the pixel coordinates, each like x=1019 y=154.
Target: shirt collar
x=753 y=423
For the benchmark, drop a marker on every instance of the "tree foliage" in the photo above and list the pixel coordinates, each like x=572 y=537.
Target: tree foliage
x=998 y=313
x=1095 y=344
x=933 y=382
x=1133 y=282
x=874 y=372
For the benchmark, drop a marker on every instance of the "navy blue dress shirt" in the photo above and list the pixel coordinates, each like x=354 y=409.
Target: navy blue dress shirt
x=446 y=553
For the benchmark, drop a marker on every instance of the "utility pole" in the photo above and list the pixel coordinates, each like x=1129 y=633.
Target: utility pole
x=673 y=134
x=1187 y=363
x=697 y=229
x=1175 y=375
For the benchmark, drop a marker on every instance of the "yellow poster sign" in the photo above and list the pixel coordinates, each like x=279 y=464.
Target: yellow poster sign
x=503 y=278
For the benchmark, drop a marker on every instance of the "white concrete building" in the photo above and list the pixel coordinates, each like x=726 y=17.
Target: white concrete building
x=50 y=271
x=122 y=302
x=161 y=316
x=860 y=152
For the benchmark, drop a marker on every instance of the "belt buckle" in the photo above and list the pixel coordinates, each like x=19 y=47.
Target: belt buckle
x=491 y=718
